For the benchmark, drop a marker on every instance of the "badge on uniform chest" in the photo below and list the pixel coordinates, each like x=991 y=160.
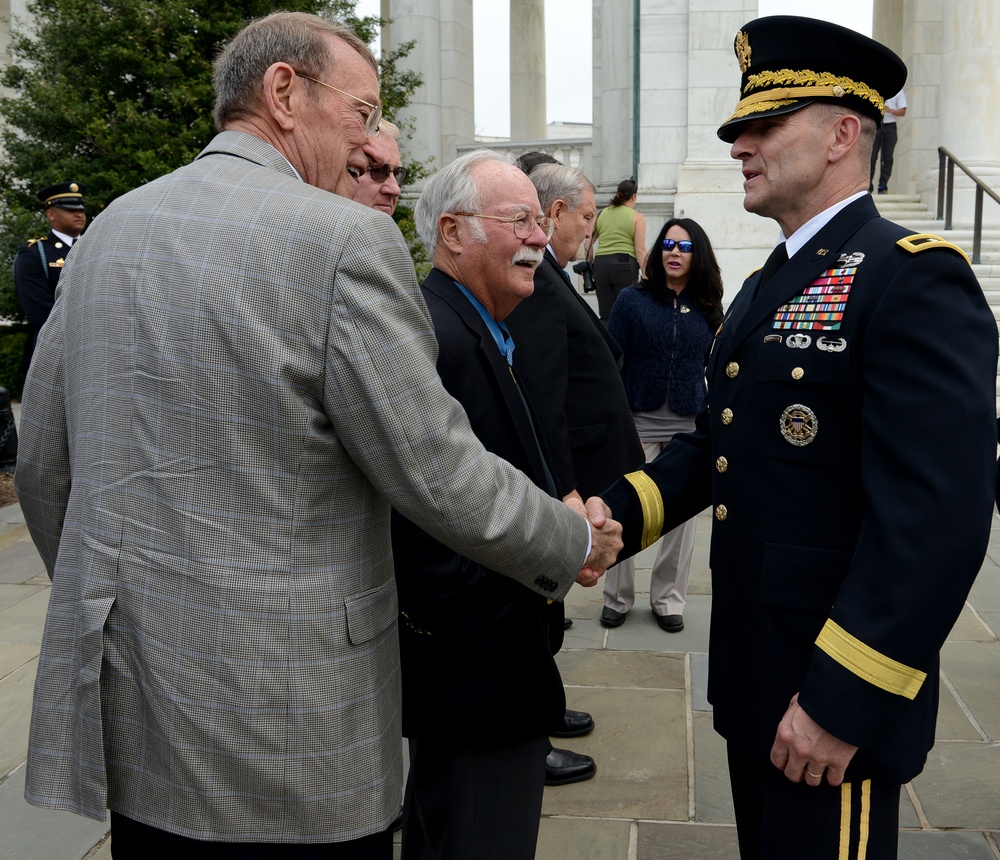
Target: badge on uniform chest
x=821 y=305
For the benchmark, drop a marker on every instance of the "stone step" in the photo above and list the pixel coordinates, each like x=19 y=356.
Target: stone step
x=989 y=239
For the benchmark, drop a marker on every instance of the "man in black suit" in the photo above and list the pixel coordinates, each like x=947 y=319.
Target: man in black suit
x=481 y=690
x=847 y=450
x=569 y=366
x=39 y=262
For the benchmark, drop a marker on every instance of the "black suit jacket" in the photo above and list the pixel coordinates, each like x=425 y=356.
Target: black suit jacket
x=852 y=477
x=474 y=645
x=569 y=364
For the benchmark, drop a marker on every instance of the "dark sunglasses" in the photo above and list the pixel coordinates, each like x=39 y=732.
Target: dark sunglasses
x=381 y=173
x=683 y=245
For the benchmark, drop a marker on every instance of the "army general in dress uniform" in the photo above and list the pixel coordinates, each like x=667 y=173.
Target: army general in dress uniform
x=847 y=452
x=39 y=262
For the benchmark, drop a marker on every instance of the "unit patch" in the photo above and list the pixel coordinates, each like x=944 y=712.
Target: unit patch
x=821 y=305
x=799 y=425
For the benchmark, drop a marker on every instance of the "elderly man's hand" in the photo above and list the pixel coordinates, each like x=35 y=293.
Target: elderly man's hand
x=606 y=539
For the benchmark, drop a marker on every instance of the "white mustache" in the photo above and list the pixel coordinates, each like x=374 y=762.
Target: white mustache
x=530 y=255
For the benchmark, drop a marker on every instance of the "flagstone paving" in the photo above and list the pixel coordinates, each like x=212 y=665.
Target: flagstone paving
x=661 y=789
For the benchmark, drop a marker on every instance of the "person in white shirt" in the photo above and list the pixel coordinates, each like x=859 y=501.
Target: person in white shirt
x=885 y=140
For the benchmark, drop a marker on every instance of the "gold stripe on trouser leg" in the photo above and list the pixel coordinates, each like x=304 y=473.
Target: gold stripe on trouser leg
x=845 y=821
x=866 y=809
x=864 y=816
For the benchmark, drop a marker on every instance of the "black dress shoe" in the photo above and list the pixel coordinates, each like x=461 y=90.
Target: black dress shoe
x=610 y=618
x=563 y=767
x=567 y=623
x=574 y=725
x=670 y=623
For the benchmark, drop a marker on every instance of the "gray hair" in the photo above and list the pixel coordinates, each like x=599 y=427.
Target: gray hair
x=389 y=129
x=297 y=38
x=452 y=189
x=558 y=182
x=866 y=139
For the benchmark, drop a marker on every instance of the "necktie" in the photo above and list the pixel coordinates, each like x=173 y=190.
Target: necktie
x=778 y=258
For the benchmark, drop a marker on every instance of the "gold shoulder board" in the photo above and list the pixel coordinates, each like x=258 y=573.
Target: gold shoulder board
x=924 y=241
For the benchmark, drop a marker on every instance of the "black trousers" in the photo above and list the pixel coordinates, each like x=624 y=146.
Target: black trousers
x=481 y=803
x=885 y=141
x=132 y=840
x=612 y=273
x=778 y=819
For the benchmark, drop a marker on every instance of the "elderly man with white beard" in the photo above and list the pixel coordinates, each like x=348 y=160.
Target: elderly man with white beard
x=481 y=691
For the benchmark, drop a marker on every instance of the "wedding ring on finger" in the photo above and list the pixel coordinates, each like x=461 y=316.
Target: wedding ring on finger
x=814 y=775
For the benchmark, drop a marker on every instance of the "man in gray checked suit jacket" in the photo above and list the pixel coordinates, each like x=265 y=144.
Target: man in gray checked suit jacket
x=236 y=383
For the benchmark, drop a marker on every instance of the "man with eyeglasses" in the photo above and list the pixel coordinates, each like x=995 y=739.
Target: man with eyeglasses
x=381 y=184
x=569 y=364
x=481 y=690
x=236 y=385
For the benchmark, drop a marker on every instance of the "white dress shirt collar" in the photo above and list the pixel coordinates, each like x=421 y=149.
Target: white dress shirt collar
x=799 y=238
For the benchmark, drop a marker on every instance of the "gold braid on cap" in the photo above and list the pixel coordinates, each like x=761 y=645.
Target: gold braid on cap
x=742 y=48
x=803 y=84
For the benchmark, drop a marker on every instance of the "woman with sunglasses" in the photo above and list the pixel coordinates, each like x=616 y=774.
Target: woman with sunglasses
x=664 y=325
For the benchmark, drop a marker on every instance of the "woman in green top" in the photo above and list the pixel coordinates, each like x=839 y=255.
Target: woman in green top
x=621 y=250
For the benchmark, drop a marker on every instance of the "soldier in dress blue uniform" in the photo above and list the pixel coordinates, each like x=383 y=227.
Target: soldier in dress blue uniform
x=38 y=263
x=847 y=453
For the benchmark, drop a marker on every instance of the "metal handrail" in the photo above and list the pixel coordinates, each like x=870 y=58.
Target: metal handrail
x=946 y=196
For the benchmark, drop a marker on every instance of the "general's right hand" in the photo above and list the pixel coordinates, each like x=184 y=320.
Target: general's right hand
x=606 y=535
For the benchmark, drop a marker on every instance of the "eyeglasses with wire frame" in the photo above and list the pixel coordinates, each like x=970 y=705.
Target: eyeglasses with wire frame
x=370 y=121
x=381 y=173
x=523 y=223
x=682 y=245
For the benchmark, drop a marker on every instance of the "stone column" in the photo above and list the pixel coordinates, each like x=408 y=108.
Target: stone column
x=709 y=181
x=527 y=69
x=888 y=27
x=970 y=113
x=442 y=111
x=612 y=152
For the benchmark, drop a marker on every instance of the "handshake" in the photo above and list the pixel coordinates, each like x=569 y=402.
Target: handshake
x=606 y=536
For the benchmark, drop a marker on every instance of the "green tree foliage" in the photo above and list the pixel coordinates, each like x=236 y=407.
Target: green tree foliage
x=114 y=93
x=397 y=85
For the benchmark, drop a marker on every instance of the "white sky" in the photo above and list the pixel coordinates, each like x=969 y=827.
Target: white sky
x=569 y=91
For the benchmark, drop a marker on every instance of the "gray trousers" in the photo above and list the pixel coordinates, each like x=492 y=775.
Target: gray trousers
x=671 y=569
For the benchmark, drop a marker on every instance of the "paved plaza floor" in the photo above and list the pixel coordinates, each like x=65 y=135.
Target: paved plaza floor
x=661 y=789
